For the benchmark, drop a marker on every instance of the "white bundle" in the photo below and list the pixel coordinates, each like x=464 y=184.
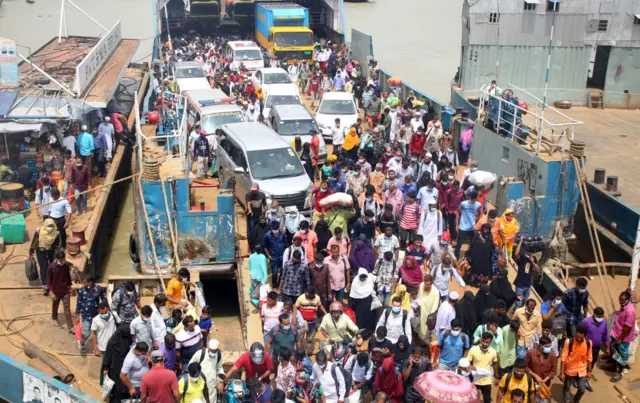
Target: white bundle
x=482 y=178
x=342 y=199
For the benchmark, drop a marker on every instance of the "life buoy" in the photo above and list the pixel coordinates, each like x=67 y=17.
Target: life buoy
x=133 y=249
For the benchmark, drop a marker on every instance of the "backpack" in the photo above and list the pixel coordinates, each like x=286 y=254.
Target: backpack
x=30 y=269
x=571 y=345
x=185 y=379
x=348 y=379
x=465 y=338
x=508 y=380
x=203 y=354
x=405 y=314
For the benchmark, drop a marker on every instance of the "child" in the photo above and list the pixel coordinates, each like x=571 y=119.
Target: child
x=174 y=320
x=303 y=362
x=205 y=322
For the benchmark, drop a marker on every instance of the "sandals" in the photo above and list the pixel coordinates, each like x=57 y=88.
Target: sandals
x=616 y=378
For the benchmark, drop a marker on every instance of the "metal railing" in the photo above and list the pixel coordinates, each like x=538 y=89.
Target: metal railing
x=506 y=114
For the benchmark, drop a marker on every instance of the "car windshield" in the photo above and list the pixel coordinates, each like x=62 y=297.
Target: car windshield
x=191 y=72
x=291 y=127
x=277 y=78
x=282 y=100
x=276 y=163
x=337 y=107
x=210 y=123
x=248 y=54
x=293 y=39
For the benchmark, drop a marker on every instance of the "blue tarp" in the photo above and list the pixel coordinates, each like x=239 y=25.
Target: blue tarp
x=6 y=102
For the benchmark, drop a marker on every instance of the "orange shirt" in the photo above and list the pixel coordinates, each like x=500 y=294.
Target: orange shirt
x=579 y=360
x=174 y=289
x=376 y=179
x=496 y=227
x=315 y=147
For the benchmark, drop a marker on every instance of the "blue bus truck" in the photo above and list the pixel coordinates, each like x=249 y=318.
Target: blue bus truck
x=283 y=30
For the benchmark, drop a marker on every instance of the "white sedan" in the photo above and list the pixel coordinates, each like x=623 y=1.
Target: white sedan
x=335 y=105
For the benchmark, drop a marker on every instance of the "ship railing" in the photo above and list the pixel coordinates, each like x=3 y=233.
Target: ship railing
x=537 y=125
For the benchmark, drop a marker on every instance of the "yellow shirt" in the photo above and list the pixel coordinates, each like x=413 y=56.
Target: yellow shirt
x=174 y=290
x=194 y=391
x=528 y=326
x=514 y=383
x=481 y=359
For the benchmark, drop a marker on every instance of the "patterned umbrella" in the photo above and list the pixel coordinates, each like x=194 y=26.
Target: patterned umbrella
x=446 y=387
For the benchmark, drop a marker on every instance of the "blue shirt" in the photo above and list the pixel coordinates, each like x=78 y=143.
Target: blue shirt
x=546 y=307
x=85 y=144
x=275 y=245
x=338 y=185
x=452 y=348
x=88 y=300
x=100 y=142
x=169 y=357
x=205 y=323
x=408 y=187
x=468 y=212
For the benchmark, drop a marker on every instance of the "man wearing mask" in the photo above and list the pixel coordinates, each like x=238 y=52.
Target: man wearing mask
x=85 y=145
x=339 y=273
x=395 y=164
x=103 y=326
x=274 y=245
x=473 y=167
x=515 y=381
x=60 y=212
x=282 y=335
x=89 y=298
x=576 y=302
x=295 y=246
x=337 y=136
x=377 y=179
x=622 y=334
x=295 y=276
x=318 y=194
x=309 y=240
x=447 y=313
x=373 y=108
x=125 y=302
x=405 y=170
x=141 y=326
x=442 y=276
x=428 y=194
x=356 y=181
x=541 y=365
x=336 y=326
x=575 y=364
x=427 y=169
x=59 y=284
x=175 y=286
x=596 y=326
x=43 y=198
x=553 y=310
x=372 y=202
x=158 y=326
x=526 y=263
x=452 y=346
x=530 y=321
x=201 y=152
x=134 y=367
x=256 y=203
x=509 y=344
x=80 y=181
x=485 y=357
x=330 y=379
x=396 y=320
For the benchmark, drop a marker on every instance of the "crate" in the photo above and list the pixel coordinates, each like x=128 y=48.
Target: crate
x=12 y=228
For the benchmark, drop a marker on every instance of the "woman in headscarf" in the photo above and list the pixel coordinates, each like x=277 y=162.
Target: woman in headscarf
x=360 y=298
x=410 y=273
x=510 y=227
x=361 y=256
x=297 y=144
x=429 y=298
x=351 y=143
x=257 y=273
x=467 y=313
x=324 y=235
x=258 y=232
x=480 y=255
x=292 y=220
x=117 y=349
x=44 y=243
x=402 y=350
x=401 y=291
x=309 y=164
x=389 y=381
x=483 y=300
x=502 y=289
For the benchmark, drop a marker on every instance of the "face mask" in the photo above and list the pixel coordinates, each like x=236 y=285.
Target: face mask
x=49 y=229
x=104 y=316
x=395 y=310
x=451 y=177
x=598 y=320
x=414 y=159
x=275 y=231
x=145 y=320
x=492 y=220
x=398 y=159
x=455 y=333
x=546 y=350
x=432 y=208
x=529 y=311
x=319 y=265
x=287 y=327
x=46 y=188
x=443 y=244
x=379 y=340
x=361 y=161
x=445 y=183
x=192 y=379
x=322 y=366
x=362 y=277
x=323 y=190
x=450 y=150
x=388 y=154
x=78 y=165
x=558 y=302
x=356 y=173
x=129 y=293
x=465 y=373
x=582 y=290
x=304 y=231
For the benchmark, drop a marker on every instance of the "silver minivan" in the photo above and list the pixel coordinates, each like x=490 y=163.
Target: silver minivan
x=253 y=153
x=291 y=120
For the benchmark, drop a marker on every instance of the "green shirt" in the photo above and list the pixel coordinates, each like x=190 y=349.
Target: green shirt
x=508 y=348
x=339 y=218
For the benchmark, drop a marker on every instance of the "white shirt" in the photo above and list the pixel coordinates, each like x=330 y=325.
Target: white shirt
x=328 y=384
x=432 y=168
x=69 y=143
x=359 y=373
x=465 y=175
x=394 y=325
x=212 y=369
x=416 y=124
x=59 y=208
x=158 y=327
x=288 y=254
x=395 y=165
x=446 y=313
x=427 y=196
x=141 y=331
x=104 y=330
x=401 y=173
x=441 y=281
x=337 y=135
x=253 y=116
x=43 y=197
x=270 y=316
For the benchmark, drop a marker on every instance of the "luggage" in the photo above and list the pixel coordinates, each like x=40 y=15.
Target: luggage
x=482 y=178
x=532 y=243
x=341 y=199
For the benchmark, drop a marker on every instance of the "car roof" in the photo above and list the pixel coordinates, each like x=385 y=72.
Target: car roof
x=255 y=136
x=241 y=44
x=283 y=89
x=291 y=112
x=337 y=95
x=268 y=70
x=187 y=65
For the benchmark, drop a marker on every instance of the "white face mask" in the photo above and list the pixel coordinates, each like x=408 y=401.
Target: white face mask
x=212 y=353
x=192 y=379
x=465 y=373
x=597 y=319
x=455 y=333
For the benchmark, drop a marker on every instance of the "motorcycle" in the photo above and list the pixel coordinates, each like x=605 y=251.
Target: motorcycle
x=236 y=391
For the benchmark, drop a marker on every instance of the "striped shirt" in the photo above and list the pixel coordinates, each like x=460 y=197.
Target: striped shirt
x=185 y=338
x=410 y=215
x=308 y=307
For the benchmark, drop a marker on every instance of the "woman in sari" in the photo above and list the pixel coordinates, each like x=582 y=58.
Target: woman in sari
x=44 y=243
x=351 y=143
x=429 y=298
x=360 y=298
x=361 y=256
x=257 y=273
x=510 y=227
x=410 y=273
x=117 y=349
x=401 y=291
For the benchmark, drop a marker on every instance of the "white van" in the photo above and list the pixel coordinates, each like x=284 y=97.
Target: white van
x=245 y=52
x=189 y=76
x=212 y=108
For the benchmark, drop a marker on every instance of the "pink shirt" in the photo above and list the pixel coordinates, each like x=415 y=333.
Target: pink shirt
x=337 y=276
x=115 y=121
x=624 y=317
x=396 y=199
x=343 y=243
x=308 y=241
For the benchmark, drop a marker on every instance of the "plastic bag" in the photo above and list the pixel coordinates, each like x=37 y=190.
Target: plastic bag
x=482 y=178
x=107 y=385
x=77 y=330
x=375 y=303
x=200 y=298
x=30 y=269
x=342 y=199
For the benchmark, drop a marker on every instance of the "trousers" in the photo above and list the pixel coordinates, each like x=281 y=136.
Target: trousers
x=566 y=391
x=66 y=302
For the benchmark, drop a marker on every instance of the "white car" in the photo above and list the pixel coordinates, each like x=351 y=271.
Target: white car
x=280 y=94
x=266 y=76
x=335 y=105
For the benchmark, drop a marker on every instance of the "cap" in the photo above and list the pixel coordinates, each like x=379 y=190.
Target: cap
x=464 y=362
x=157 y=355
x=213 y=344
x=333 y=158
x=446 y=236
x=428 y=154
x=84 y=128
x=107 y=119
x=454 y=295
x=203 y=132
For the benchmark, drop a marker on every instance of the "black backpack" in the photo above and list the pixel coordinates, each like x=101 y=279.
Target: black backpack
x=405 y=314
x=203 y=353
x=348 y=379
x=509 y=375
x=571 y=345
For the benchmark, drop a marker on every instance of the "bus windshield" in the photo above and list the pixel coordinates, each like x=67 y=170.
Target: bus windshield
x=248 y=54
x=211 y=123
x=292 y=39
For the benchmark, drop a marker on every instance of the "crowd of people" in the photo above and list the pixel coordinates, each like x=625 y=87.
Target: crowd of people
x=369 y=280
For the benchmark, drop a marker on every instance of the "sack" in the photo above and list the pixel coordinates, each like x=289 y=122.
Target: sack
x=466 y=139
x=375 y=303
x=431 y=320
x=482 y=178
x=107 y=386
x=30 y=269
x=339 y=198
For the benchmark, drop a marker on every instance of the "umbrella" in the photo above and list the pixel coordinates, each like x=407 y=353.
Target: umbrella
x=446 y=387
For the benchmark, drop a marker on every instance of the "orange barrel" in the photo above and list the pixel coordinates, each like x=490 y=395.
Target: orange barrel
x=12 y=196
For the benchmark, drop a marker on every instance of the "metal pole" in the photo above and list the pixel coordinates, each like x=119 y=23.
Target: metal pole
x=546 y=80
x=635 y=261
x=87 y=15
x=47 y=75
x=61 y=19
x=166 y=17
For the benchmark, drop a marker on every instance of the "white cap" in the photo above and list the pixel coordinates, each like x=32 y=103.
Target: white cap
x=454 y=295
x=428 y=154
x=214 y=344
x=464 y=362
x=107 y=119
x=84 y=127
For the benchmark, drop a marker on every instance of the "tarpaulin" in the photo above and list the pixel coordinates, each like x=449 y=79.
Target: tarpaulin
x=6 y=102
x=14 y=127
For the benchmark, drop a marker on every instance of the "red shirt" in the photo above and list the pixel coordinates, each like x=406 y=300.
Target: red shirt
x=454 y=198
x=159 y=384
x=416 y=143
x=117 y=124
x=315 y=84
x=315 y=147
x=251 y=368
x=442 y=195
x=319 y=196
